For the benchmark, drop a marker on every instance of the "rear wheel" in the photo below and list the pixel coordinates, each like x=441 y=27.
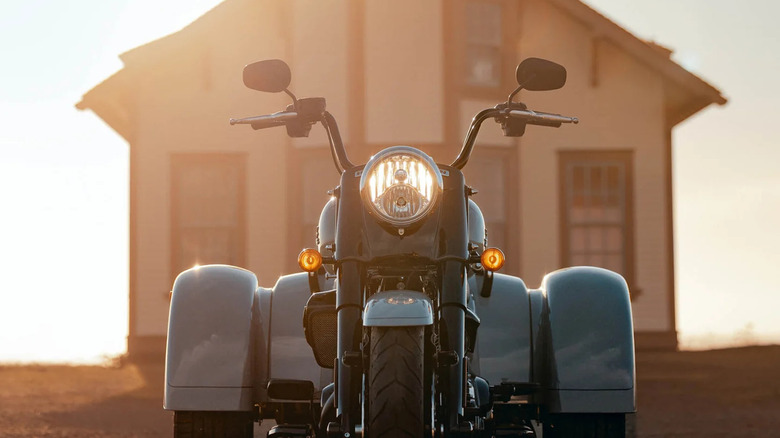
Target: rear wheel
x=395 y=389
x=585 y=426
x=201 y=424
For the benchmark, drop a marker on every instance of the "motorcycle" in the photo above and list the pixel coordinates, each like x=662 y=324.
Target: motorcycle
x=408 y=328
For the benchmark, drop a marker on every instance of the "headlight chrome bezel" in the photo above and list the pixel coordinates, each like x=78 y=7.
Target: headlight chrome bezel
x=432 y=183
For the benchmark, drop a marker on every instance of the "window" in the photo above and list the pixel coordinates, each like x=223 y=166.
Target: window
x=597 y=219
x=483 y=66
x=207 y=210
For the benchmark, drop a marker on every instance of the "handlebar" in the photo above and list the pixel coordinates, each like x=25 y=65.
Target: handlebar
x=337 y=146
x=281 y=118
x=542 y=119
x=531 y=117
x=267 y=121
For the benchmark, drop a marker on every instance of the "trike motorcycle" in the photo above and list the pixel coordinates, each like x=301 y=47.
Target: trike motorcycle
x=408 y=330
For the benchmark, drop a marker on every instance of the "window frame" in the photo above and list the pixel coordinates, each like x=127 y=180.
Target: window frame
x=180 y=160
x=302 y=228
x=510 y=19
x=508 y=157
x=625 y=158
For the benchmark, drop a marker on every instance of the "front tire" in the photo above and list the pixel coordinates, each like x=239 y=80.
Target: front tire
x=395 y=389
x=201 y=424
x=585 y=426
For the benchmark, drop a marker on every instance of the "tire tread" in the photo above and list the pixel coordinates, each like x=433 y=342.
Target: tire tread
x=395 y=382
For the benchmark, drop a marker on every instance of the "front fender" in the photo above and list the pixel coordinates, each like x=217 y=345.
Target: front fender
x=398 y=308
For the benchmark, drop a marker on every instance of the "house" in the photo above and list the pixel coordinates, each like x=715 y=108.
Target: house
x=402 y=72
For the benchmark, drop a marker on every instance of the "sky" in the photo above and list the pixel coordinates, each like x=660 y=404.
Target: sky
x=64 y=173
x=727 y=182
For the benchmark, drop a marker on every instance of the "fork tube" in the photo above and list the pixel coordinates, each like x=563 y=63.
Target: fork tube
x=452 y=338
x=348 y=305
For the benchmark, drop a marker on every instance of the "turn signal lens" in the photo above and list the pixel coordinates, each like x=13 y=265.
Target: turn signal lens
x=492 y=259
x=310 y=260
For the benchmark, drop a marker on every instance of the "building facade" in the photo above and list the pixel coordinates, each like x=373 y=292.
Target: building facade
x=403 y=72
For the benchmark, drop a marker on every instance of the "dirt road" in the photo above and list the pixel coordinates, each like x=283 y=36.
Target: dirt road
x=734 y=393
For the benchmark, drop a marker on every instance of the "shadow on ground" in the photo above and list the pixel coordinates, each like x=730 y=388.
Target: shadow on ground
x=732 y=392
x=136 y=413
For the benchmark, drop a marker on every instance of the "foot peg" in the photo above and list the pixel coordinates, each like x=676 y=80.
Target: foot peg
x=505 y=391
x=288 y=389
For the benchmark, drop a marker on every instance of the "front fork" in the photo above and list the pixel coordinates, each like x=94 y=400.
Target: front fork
x=450 y=360
x=349 y=374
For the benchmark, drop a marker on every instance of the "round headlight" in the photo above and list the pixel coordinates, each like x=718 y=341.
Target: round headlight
x=400 y=185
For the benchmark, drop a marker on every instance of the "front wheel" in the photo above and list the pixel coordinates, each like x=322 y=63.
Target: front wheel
x=395 y=388
x=585 y=426
x=203 y=424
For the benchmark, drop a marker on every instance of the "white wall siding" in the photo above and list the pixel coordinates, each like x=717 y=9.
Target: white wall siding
x=404 y=64
x=623 y=111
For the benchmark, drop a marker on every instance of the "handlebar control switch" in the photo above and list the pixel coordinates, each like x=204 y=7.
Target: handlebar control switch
x=512 y=127
x=309 y=111
x=298 y=128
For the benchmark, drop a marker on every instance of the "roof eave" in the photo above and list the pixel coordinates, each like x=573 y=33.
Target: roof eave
x=679 y=115
x=702 y=94
x=108 y=101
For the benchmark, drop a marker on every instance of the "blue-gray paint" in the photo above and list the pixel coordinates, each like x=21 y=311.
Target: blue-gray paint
x=606 y=401
x=477 y=235
x=208 y=399
x=291 y=356
x=504 y=336
x=209 y=338
x=398 y=308
x=576 y=331
x=588 y=341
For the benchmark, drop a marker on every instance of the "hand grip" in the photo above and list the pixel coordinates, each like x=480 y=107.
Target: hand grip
x=543 y=119
x=266 y=121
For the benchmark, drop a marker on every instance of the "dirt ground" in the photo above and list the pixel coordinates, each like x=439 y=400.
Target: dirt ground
x=732 y=392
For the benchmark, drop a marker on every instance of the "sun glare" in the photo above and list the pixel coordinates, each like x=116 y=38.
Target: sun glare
x=65 y=235
x=64 y=174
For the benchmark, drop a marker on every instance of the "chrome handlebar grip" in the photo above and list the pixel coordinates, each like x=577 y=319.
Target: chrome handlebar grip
x=542 y=117
x=269 y=119
x=282 y=117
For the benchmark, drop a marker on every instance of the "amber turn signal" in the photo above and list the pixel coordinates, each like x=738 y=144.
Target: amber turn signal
x=492 y=259
x=310 y=260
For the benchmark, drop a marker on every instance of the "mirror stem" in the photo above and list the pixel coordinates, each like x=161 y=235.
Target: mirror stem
x=517 y=90
x=294 y=99
x=512 y=96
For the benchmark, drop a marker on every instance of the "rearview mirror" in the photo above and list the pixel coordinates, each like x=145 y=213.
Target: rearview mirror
x=271 y=75
x=536 y=74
